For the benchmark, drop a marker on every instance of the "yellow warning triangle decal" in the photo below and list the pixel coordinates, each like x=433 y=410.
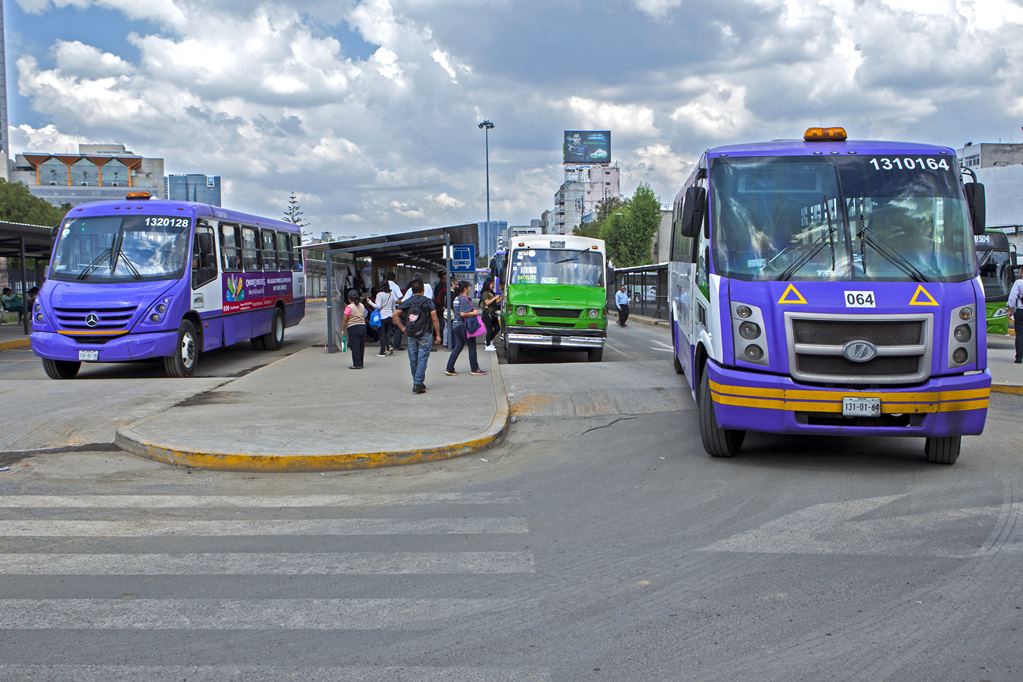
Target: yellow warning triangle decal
x=793 y=296
x=922 y=297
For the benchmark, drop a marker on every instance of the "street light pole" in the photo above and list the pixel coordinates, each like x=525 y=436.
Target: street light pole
x=486 y=127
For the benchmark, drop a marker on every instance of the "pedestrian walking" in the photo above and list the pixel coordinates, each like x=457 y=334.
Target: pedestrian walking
x=622 y=303
x=490 y=302
x=421 y=321
x=463 y=310
x=354 y=326
x=1016 y=311
x=385 y=301
x=398 y=294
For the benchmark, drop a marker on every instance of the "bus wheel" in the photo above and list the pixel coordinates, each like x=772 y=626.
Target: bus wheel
x=258 y=343
x=182 y=362
x=678 y=365
x=274 y=339
x=511 y=353
x=943 y=449
x=595 y=354
x=717 y=442
x=61 y=369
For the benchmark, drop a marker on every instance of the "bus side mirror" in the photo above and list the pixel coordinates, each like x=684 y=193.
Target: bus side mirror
x=693 y=210
x=977 y=204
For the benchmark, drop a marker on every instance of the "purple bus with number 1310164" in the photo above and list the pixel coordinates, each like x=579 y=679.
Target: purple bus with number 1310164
x=144 y=278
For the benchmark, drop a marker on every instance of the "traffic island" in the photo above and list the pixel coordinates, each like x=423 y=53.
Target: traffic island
x=309 y=412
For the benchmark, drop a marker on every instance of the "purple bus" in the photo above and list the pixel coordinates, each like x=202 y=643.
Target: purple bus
x=143 y=278
x=830 y=286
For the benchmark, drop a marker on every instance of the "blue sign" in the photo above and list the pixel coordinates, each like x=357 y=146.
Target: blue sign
x=463 y=258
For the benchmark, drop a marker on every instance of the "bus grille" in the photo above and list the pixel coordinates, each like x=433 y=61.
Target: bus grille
x=106 y=318
x=816 y=342
x=556 y=312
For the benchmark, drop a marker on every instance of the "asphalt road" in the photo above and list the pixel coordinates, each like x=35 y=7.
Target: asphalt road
x=598 y=542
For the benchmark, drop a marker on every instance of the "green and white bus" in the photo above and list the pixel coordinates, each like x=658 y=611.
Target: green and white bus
x=996 y=260
x=555 y=295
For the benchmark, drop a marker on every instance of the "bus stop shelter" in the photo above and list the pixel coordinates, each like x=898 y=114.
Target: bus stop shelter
x=26 y=251
x=363 y=263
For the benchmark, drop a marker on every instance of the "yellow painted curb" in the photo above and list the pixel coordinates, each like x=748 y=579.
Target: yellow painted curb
x=131 y=442
x=16 y=343
x=1007 y=389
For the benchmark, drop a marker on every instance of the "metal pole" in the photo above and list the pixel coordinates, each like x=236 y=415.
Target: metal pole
x=26 y=311
x=330 y=305
x=447 y=294
x=486 y=142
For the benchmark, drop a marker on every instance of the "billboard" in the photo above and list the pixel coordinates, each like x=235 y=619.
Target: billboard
x=587 y=146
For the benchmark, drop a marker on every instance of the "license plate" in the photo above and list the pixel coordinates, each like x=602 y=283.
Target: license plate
x=88 y=355
x=861 y=407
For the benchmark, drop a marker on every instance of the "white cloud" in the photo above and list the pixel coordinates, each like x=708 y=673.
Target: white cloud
x=45 y=139
x=622 y=118
x=657 y=8
x=87 y=61
x=445 y=200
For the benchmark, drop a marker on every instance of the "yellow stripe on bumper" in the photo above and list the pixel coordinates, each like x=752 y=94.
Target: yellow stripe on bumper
x=831 y=401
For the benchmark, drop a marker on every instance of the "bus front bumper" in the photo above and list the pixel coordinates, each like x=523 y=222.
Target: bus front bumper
x=556 y=337
x=943 y=406
x=123 y=348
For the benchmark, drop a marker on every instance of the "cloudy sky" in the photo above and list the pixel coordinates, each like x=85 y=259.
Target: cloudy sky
x=367 y=109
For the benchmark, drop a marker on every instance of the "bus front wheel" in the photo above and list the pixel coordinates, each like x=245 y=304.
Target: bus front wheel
x=274 y=339
x=511 y=352
x=943 y=449
x=61 y=369
x=595 y=354
x=717 y=442
x=181 y=363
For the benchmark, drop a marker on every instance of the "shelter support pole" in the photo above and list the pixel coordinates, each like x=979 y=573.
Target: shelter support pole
x=330 y=304
x=447 y=294
x=24 y=290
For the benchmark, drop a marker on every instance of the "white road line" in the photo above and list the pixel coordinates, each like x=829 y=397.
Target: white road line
x=663 y=345
x=347 y=563
x=662 y=350
x=241 y=614
x=274 y=502
x=245 y=673
x=183 y=528
x=618 y=350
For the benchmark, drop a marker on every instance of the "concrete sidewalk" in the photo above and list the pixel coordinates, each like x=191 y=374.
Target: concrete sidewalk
x=1006 y=377
x=309 y=412
x=12 y=335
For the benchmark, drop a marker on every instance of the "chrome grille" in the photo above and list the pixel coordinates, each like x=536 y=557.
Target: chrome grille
x=106 y=318
x=556 y=312
x=816 y=343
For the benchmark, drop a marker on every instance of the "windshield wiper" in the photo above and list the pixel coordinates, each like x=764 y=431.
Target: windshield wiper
x=572 y=258
x=131 y=266
x=894 y=257
x=94 y=264
x=814 y=248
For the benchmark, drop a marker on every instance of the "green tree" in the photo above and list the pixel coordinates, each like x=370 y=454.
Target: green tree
x=293 y=212
x=591 y=230
x=18 y=205
x=630 y=230
x=605 y=208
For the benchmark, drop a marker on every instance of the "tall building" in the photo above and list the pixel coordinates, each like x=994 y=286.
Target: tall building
x=4 y=139
x=97 y=172
x=568 y=207
x=990 y=154
x=577 y=199
x=202 y=189
x=488 y=234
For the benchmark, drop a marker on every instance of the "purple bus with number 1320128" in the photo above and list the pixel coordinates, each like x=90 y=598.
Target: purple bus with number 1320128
x=830 y=286
x=144 y=278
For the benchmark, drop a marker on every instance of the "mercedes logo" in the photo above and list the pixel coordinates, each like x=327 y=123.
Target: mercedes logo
x=859 y=351
x=91 y=320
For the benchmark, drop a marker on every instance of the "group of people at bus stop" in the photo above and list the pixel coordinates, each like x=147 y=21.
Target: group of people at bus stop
x=417 y=314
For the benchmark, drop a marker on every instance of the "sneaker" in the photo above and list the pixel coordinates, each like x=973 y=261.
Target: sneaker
x=451 y=373
x=355 y=367
x=491 y=347
x=478 y=373
x=381 y=355
x=390 y=351
x=419 y=388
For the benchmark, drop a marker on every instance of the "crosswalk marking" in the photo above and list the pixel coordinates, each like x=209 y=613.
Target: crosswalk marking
x=343 y=563
x=240 y=614
x=257 y=527
x=232 y=673
x=273 y=502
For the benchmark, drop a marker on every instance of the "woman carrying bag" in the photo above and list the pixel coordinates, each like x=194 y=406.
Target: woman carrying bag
x=491 y=304
x=354 y=327
x=461 y=333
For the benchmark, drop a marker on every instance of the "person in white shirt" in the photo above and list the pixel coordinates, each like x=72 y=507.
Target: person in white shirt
x=1016 y=312
x=397 y=293
x=622 y=302
x=385 y=302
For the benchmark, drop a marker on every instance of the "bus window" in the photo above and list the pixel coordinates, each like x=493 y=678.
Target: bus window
x=283 y=251
x=204 y=258
x=230 y=249
x=269 y=249
x=250 y=249
x=296 y=253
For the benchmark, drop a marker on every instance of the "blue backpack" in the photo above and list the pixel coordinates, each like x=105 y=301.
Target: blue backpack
x=375 y=321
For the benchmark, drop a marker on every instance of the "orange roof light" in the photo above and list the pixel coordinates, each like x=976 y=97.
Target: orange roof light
x=825 y=135
x=138 y=195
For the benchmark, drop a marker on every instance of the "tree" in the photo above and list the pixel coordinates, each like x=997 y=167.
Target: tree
x=591 y=230
x=18 y=205
x=293 y=213
x=595 y=229
x=630 y=230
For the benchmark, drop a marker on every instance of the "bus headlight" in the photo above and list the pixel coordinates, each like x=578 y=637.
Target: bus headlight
x=743 y=311
x=960 y=356
x=963 y=333
x=1001 y=312
x=962 y=337
x=753 y=353
x=594 y=314
x=749 y=330
x=748 y=335
x=521 y=310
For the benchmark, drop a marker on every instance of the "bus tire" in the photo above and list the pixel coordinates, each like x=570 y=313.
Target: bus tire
x=181 y=363
x=61 y=369
x=511 y=353
x=678 y=365
x=943 y=449
x=717 y=442
x=274 y=339
x=595 y=354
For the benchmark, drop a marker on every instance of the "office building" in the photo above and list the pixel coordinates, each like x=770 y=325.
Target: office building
x=488 y=236
x=202 y=189
x=97 y=172
x=990 y=155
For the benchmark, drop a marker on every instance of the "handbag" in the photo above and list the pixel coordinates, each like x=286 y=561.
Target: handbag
x=474 y=327
x=375 y=321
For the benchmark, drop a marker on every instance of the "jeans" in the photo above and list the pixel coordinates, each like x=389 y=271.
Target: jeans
x=418 y=355
x=1017 y=323
x=386 y=331
x=357 y=343
x=461 y=340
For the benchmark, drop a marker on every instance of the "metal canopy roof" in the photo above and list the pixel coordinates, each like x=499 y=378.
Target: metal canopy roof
x=38 y=240
x=424 y=247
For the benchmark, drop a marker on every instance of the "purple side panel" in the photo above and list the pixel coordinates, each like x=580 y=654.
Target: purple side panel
x=237 y=328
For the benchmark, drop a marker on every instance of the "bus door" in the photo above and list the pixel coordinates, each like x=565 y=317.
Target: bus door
x=207 y=293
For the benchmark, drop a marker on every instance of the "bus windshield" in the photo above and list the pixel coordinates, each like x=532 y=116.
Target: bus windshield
x=873 y=218
x=558 y=266
x=995 y=264
x=122 y=248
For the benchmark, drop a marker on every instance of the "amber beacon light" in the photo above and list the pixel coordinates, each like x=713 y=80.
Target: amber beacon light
x=825 y=135
x=138 y=195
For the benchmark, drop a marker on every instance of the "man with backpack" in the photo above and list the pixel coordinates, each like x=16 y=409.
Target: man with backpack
x=421 y=322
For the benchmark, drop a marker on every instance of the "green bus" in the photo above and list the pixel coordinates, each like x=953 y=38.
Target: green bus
x=996 y=259
x=555 y=295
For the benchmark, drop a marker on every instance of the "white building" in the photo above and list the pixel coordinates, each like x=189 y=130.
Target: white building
x=990 y=155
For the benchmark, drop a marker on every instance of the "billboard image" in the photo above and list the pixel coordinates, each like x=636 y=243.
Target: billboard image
x=587 y=146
